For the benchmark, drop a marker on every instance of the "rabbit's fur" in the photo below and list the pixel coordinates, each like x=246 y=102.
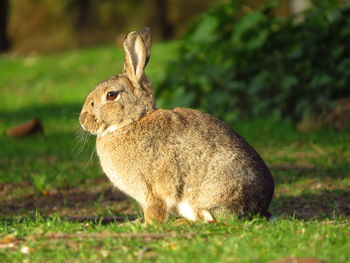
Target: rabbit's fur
x=180 y=161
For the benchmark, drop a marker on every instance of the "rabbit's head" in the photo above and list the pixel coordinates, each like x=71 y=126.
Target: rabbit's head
x=124 y=98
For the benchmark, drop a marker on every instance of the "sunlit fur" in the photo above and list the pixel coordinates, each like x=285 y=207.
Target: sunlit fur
x=177 y=161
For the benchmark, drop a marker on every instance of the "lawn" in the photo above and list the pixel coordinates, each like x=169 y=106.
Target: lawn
x=57 y=206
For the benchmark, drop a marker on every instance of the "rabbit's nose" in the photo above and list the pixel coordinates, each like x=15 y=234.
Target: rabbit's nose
x=82 y=117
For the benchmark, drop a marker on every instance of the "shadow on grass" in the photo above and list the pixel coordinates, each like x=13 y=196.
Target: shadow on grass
x=326 y=204
x=80 y=205
x=77 y=204
x=43 y=112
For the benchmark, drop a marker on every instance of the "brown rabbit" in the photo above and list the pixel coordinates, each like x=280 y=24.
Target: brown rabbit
x=180 y=161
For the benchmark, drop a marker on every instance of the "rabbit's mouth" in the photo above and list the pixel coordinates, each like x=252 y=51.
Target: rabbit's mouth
x=89 y=123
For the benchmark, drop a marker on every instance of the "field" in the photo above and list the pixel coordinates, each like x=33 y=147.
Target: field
x=57 y=206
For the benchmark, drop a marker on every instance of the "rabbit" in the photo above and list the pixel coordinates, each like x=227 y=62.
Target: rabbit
x=181 y=161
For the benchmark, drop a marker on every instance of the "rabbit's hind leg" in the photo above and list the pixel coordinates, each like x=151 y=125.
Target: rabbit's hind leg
x=186 y=210
x=206 y=216
x=193 y=214
x=155 y=210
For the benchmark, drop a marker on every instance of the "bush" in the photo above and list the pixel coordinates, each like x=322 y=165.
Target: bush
x=234 y=64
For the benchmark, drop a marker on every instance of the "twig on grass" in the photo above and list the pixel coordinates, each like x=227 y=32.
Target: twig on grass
x=103 y=220
x=116 y=235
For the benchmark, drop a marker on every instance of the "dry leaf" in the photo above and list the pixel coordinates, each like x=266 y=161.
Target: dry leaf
x=8 y=239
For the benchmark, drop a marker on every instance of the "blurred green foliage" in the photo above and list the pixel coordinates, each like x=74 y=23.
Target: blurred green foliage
x=238 y=62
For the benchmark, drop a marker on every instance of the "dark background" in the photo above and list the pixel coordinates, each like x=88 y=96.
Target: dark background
x=49 y=25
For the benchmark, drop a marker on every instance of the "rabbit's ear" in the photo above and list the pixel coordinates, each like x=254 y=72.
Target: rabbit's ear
x=147 y=40
x=135 y=56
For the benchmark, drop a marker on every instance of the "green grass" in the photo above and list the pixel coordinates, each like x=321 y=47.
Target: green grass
x=235 y=241
x=49 y=186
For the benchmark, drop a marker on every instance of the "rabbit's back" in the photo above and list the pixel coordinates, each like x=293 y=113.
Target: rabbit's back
x=184 y=154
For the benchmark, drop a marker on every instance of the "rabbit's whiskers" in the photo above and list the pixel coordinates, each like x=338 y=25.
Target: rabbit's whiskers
x=80 y=141
x=92 y=155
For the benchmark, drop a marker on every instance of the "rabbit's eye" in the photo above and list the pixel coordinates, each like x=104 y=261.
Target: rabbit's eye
x=112 y=95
